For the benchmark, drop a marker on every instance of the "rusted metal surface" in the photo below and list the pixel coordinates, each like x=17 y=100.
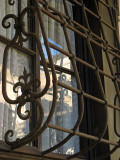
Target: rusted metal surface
x=28 y=95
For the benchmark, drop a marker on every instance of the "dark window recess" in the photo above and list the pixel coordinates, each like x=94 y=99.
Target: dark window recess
x=92 y=114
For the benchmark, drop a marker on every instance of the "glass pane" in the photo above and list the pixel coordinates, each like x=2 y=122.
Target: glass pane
x=67 y=101
x=9 y=119
x=17 y=60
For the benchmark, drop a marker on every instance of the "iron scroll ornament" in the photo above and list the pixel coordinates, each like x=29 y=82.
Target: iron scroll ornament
x=28 y=95
x=28 y=92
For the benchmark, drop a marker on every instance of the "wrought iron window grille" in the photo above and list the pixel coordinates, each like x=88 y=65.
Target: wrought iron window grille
x=29 y=95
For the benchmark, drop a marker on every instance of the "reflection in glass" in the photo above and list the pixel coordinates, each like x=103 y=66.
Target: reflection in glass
x=67 y=102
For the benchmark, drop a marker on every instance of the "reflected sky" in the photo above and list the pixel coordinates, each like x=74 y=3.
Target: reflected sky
x=53 y=51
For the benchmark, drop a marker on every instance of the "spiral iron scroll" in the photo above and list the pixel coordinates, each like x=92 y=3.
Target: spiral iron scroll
x=26 y=85
x=28 y=95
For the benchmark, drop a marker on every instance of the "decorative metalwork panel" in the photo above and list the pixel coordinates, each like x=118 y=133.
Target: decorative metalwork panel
x=26 y=81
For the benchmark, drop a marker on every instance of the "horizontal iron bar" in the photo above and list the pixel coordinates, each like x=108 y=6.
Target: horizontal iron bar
x=76 y=23
x=16 y=46
x=108 y=25
x=105 y=4
x=81 y=61
x=86 y=95
x=61 y=69
x=68 y=87
x=79 y=32
x=93 y=98
x=80 y=134
x=93 y=14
